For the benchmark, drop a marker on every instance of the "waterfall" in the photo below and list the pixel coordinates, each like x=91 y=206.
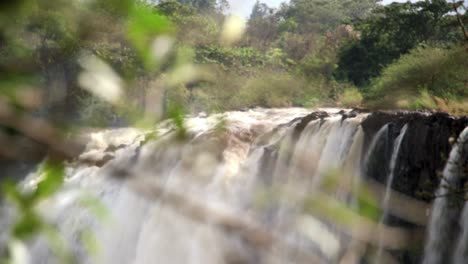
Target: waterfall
x=267 y=186
x=461 y=253
x=388 y=189
x=380 y=136
x=445 y=212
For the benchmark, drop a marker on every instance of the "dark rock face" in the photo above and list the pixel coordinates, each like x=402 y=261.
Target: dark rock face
x=423 y=152
x=306 y=120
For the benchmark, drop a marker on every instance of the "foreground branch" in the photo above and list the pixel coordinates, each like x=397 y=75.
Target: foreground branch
x=39 y=131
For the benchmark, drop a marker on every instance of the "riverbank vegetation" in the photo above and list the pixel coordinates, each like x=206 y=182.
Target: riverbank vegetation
x=319 y=53
x=307 y=53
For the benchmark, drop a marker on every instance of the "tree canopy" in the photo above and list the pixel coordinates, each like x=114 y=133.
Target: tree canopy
x=392 y=31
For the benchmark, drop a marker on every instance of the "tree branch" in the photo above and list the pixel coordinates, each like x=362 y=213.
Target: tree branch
x=459 y=18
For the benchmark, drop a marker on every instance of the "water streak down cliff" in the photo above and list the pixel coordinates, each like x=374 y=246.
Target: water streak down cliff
x=266 y=186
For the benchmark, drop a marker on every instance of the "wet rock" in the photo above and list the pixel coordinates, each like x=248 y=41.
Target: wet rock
x=96 y=158
x=306 y=120
x=423 y=153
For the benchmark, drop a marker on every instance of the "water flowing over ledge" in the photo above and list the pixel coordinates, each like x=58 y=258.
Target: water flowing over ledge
x=265 y=186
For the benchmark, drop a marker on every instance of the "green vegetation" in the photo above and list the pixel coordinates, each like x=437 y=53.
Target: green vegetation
x=410 y=55
x=328 y=53
x=280 y=61
x=392 y=31
x=424 y=78
x=102 y=63
x=305 y=53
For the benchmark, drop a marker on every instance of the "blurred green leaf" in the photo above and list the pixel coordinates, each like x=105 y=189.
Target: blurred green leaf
x=331 y=209
x=89 y=242
x=53 y=173
x=28 y=225
x=331 y=180
x=367 y=204
x=143 y=26
x=10 y=83
x=176 y=114
x=96 y=206
x=58 y=244
x=12 y=193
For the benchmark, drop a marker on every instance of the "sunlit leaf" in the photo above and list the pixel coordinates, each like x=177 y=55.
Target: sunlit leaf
x=100 y=79
x=318 y=231
x=161 y=47
x=233 y=29
x=19 y=254
x=183 y=74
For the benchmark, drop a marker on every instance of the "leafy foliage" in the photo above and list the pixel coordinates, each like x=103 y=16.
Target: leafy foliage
x=239 y=59
x=426 y=73
x=392 y=31
x=29 y=223
x=321 y=15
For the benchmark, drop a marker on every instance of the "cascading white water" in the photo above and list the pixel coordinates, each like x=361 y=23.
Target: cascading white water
x=324 y=146
x=257 y=189
x=388 y=189
x=461 y=252
x=445 y=212
x=222 y=172
x=379 y=136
